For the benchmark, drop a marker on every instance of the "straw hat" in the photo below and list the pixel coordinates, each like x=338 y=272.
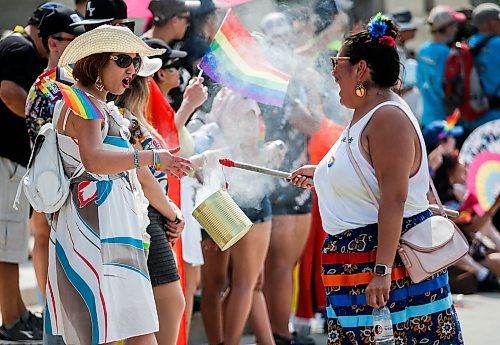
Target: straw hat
x=106 y=39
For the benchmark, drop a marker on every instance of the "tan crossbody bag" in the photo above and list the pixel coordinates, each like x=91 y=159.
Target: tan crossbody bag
x=429 y=246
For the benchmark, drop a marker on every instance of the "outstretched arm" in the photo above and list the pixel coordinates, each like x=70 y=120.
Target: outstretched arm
x=96 y=159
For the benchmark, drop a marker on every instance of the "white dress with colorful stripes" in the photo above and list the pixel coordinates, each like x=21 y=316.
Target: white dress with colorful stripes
x=98 y=287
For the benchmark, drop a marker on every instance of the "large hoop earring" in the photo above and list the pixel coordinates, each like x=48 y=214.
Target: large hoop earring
x=99 y=85
x=360 y=90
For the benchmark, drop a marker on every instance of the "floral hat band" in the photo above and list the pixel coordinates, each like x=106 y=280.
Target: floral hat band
x=377 y=28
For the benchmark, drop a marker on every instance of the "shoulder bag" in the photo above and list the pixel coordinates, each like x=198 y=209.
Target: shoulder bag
x=429 y=246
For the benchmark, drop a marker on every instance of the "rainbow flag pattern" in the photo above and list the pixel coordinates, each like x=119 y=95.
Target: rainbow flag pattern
x=79 y=102
x=450 y=123
x=45 y=84
x=236 y=61
x=452 y=120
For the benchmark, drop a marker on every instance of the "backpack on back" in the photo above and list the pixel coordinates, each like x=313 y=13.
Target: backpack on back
x=45 y=184
x=462 y=86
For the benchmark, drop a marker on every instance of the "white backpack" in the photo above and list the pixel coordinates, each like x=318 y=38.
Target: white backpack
x=45 y=184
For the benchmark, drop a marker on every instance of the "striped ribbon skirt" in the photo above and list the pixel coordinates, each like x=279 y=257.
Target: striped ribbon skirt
x=421 y=313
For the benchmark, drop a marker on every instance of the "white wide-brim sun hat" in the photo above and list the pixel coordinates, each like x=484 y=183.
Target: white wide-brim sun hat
x=149 y=66
x=106 y=39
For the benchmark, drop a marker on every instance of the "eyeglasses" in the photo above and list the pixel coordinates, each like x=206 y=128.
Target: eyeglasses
x=61 y=39
x=335 y=60
x=124 y=61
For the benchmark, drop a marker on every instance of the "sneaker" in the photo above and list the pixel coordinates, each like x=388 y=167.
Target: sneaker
x=489 y=284
x=301 y=339
x=281 y=340
x=3 y=337
x=35 y=320
x=22 y=333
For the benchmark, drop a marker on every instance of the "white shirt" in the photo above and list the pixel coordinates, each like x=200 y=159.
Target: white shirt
x=343 y=201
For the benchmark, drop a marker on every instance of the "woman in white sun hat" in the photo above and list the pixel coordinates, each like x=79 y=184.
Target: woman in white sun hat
x=98 y=289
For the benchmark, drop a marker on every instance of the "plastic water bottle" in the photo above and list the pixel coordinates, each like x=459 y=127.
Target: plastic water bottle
x=382 y=326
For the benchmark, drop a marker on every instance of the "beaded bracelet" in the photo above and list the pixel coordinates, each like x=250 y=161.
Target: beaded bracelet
x=156 y=161
x=136 y=159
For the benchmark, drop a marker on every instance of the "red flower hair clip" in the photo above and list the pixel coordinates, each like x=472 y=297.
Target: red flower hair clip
x=387 y=41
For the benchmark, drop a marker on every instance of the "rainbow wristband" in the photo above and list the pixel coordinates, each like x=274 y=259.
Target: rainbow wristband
x=156 y=161
x=136 y=159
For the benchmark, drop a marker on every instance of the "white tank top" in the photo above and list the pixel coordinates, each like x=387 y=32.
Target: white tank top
x=343 y=201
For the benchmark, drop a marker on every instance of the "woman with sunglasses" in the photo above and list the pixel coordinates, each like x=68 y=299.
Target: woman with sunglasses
x=361 y=269
x=98 y=275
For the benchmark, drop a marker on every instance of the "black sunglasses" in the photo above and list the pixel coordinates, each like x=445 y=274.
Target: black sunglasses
x=61 y=39
x=128 y=24
x=175 y=63
x=124 y=61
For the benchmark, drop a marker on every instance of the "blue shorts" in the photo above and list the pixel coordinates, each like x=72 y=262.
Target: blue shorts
x=262 y=214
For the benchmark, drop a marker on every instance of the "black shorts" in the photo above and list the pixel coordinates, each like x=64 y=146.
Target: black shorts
x=161 y=262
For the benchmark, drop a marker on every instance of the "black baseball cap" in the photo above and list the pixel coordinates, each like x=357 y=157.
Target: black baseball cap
x=42 y=10
x=169 y=55
x=61 y=20
x=163 y=10
x=206 y=6
x=104 y=11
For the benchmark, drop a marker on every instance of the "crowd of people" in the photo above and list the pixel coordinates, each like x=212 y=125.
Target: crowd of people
x=141 y=129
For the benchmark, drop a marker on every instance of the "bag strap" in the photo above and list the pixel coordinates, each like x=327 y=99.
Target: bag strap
x=436 y=196
x=359 y=172
x=477 y=49
x=56 y=118
x=65 y=121
x=370 y=191
x=80 y=169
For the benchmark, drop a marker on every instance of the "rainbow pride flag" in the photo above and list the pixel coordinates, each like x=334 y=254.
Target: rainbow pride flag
x=79 y=102
x=236 y=61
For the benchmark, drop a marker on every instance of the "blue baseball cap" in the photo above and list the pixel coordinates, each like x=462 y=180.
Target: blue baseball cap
x=436 y=131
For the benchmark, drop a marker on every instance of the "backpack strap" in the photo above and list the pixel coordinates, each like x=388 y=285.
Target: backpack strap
x=477 y=49
x=65 y=121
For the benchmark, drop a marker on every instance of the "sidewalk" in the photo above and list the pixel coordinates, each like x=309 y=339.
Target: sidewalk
x=479 y=315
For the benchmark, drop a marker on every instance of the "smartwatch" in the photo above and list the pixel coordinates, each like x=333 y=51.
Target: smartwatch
x=382 y=270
